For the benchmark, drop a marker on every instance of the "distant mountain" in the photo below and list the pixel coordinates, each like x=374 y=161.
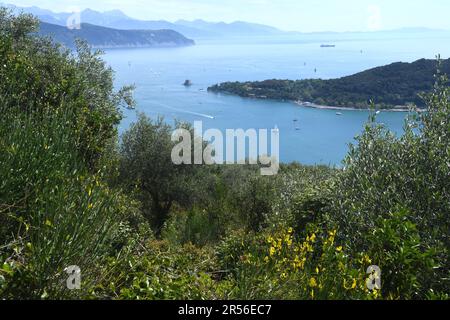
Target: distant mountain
x=389 y=87
x=101 y=37
x=132 y=24
x=196 y=29
x=118 y=20
x=237 y=28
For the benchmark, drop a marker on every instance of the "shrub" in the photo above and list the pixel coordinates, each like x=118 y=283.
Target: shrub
x=408 y=265
x=55 y=213
x=279 y=266
x=385 y=172
x=159 y=271
x=37 y=75
x=146 y=169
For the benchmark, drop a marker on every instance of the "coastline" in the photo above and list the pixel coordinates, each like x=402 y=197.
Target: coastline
x=320 y=107
x=316 y=106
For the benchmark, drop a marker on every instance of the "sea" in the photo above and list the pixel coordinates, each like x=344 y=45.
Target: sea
x=308 y=136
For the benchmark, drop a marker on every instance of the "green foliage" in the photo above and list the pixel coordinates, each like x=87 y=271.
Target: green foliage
x=58 y=121
x=70 y=195
x=398 y=84
x=384 y=172
x=37 y=75
x=200 y=227
x=408 y=265
x=163 y=272
x=146 y=167
x=281 y=266
x=54 y=213
x=310 y=207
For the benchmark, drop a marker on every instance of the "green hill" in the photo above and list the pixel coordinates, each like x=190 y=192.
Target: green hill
x=101 y=37
x=393 y=86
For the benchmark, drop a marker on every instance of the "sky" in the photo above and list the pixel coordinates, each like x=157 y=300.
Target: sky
x=289 y=15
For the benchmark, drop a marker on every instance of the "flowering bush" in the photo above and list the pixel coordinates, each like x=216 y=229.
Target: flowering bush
x=283 y=266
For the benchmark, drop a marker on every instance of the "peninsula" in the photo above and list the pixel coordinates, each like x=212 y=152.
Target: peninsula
x=396 y=87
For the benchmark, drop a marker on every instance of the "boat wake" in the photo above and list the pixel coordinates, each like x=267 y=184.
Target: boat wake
x=183 y=111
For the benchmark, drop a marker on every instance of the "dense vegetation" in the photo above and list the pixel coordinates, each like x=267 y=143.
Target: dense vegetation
x=101 y=37
x=398 y=85
x=140 y=227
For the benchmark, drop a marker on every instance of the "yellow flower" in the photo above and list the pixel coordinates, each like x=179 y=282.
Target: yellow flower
x=313 y=282
x=339 y=249
x=317 y=270
x=266 y=259
x=353 y=286
x=367 y=259
x=289 y=242
x=376 y=293
x=290 y=230
x=272 y=251
x=313 y=237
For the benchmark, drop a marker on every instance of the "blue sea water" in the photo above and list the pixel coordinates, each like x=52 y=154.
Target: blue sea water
x=322 y=138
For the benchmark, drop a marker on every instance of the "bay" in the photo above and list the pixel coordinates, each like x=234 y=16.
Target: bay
x=319 y=136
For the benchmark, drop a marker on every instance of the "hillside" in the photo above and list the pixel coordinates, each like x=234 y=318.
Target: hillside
x=101 y=37
x=86 y=214
x=393 y=86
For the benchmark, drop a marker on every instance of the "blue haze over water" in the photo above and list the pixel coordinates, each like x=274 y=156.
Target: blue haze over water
x=323 y=137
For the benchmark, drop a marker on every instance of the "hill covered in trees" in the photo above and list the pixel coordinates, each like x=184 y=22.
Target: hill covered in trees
x=101 y=37
x=397 y=85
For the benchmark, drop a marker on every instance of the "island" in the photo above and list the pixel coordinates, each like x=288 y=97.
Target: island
x=397 y=86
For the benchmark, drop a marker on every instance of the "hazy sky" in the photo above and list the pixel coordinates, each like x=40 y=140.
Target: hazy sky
x=299 y=15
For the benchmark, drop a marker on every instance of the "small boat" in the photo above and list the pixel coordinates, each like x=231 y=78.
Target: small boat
x=328 y=46
x=339 y=113
x=187 y=83
x=378 y=112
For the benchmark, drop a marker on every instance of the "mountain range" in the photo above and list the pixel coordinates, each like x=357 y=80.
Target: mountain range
x=116 y=19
